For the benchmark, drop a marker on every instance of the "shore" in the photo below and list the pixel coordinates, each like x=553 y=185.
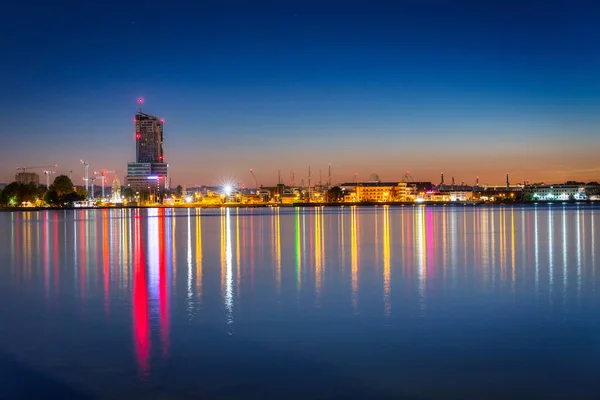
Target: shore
x=304 y=205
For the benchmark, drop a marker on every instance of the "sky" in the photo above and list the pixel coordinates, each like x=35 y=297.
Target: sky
x=468 y=88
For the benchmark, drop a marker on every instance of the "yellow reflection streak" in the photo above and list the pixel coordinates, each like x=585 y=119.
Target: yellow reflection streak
x=318 y=259
x=421 y=255
x=512 y=245
x=229 y=273
x=189 y=260
x=354 y=257
x=199 y=271
x=278 y=250
x=223 y=251
x=386 y=261
x=298 y=253
x=376 y=248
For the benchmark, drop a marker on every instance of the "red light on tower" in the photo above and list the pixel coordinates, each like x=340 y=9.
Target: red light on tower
x=137 y=136
x=141 y=101
x=162 y=120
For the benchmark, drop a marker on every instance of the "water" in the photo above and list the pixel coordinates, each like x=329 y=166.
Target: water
x=379 y=302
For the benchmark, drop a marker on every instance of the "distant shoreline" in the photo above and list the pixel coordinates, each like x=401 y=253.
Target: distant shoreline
x=305 y=205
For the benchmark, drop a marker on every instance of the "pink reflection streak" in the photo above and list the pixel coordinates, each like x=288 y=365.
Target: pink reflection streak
x=105 y=258
x=82 y=256
x=45 y=238
x=430 y=272
x=55 y=250
x=141 y=328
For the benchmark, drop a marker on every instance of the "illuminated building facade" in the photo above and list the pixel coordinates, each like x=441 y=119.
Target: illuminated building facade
x=148 y=138
x=557 y=192
x=149 y=172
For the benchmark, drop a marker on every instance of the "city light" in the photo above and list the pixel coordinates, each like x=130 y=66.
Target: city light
x=227 y=189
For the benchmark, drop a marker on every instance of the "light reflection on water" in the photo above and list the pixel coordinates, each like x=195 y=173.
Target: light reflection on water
x=348 y=287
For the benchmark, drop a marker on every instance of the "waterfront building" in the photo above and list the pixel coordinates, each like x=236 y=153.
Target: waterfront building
x=149 y=172
x=557 y=192
x=27 y=178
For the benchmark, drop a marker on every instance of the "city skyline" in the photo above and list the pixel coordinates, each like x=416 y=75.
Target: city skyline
x=482 y=91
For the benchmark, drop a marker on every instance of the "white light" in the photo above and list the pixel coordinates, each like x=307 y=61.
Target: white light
x=227 y=189
x=188 y=199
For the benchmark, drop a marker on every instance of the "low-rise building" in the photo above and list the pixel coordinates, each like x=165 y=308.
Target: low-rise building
x=556 y=192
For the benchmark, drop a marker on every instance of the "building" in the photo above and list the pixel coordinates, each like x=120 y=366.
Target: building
x=149 y=172
x=27 y=178
x=372 y=191
x=556 y=192
x=149 y=138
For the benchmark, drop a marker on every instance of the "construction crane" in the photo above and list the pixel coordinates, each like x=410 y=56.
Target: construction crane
x=24 y=169
x=48 y=173
x=86 y=179
x=102 y=175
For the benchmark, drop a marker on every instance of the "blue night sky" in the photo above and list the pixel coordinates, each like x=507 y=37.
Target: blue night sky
x=464 y=87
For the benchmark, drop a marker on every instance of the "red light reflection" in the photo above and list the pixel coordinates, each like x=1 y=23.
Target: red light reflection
x=141 y=328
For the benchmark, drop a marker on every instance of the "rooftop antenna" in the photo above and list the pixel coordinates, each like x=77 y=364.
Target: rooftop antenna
x=320 y=178
x=279 y=177
x=329 y=177
x=309 y=183
x=442 y=181
x=507 y=182
x=452 y=188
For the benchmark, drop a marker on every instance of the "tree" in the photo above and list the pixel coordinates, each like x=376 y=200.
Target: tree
x=17 y=193
x=62 y=185
x=81 y=192
x=51 y=197
x=179 y=190
x=334 y=194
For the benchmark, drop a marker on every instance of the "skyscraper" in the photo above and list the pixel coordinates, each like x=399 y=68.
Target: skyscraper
x=149 y=138
x=149 y=172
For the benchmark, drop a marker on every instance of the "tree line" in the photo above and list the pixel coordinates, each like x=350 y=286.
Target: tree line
x=60 y=194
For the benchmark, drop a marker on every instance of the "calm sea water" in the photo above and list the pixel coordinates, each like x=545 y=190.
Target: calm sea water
x=383 y=302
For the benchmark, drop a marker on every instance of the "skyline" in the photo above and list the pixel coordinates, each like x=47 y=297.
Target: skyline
x=481 y=90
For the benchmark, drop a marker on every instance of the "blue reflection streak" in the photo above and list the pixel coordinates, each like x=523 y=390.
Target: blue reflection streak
x=537 y=254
